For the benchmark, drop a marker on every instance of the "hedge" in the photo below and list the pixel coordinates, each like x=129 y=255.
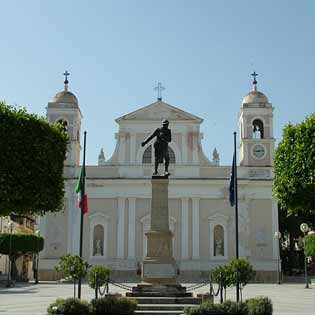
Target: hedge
x=20 y=243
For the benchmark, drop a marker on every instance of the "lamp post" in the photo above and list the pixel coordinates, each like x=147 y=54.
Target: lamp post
x=304 y=228
x=9 y=264
x=278 y=237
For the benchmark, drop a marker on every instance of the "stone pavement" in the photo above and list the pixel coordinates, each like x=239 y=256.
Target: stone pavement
x=30 y=299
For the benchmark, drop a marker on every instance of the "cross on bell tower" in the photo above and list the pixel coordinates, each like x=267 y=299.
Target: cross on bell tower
x=159 y=88
x=254 y=75
x=66 y=82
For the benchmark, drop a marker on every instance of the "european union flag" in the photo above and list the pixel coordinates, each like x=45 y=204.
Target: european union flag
x=232 y=183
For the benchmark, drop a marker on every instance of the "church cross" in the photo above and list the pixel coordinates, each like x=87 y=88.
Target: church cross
x=159 y=88
x=66 y=74
x=254 y=75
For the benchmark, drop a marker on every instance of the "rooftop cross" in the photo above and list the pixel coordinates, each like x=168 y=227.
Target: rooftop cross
x=254 y=75
x=66 y=74
x=159 y=88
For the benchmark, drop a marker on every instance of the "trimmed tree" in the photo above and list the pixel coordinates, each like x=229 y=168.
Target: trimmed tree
x=241 y=271
x=32 y=160
x=73 y=268
x=17 y=244
x=98 y=276
x=222 y=276
x=294 y=183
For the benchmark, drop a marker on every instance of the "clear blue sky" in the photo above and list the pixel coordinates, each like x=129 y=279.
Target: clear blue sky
x=202 y=51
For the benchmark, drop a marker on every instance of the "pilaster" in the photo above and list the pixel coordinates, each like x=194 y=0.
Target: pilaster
x=121 y=227
x=195 y=228
x=184 y=228
x=131 y=228
x=275 y=228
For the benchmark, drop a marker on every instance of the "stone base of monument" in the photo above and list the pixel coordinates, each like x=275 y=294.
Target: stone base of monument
x=159 y=266
x=159 y=292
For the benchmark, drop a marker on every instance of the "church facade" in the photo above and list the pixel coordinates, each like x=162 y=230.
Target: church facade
x=201 y=218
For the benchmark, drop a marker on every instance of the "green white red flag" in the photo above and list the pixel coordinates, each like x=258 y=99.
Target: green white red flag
x=82 y=202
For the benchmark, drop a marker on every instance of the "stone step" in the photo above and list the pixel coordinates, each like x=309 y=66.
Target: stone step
x=159 y=294
x=162 y=307
x=168 y=300
x=166 y=312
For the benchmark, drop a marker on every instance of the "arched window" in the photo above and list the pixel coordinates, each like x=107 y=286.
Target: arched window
x=64 y=124
x=171 y=155
x=218 y=241
x=258 y=129
x=147 y=155
x=98 y=240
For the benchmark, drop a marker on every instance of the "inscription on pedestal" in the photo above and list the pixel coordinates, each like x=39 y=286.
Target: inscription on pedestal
x=158 y=270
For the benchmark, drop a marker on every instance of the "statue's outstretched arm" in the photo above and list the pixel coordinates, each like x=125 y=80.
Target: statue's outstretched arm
x=149 y=138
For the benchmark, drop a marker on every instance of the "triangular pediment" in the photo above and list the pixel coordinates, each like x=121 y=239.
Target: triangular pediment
x=159 y=111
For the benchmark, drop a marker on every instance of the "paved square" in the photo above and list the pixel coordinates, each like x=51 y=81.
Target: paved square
x=30 y=299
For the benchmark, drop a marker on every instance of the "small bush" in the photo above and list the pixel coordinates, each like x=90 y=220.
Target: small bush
x=112 y=305
x=226 y=308
x=259 y=306
x=71 y=306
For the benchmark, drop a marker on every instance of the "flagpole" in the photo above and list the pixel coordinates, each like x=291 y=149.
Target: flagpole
x=236 y=218
x=82 y=208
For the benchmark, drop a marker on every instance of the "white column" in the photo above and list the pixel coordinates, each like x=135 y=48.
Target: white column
x=275 y=228
x=121 y=227
x=184 y=148
x=132 y=228
x=195 y=228
x=122 y=148
x=132 y=148
x=70 y=207
x=184 y=228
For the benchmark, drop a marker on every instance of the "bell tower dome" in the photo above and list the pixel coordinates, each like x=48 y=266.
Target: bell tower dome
x=256 y=129
x=65 y=108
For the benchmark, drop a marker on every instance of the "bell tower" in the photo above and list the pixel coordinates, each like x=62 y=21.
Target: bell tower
x=65 y=109
x=256 y=129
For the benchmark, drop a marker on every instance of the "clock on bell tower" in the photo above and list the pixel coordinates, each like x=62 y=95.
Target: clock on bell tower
x=256 y=129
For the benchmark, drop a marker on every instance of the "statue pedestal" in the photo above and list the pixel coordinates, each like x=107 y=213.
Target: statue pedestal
x=159 y=282
x=159 y=265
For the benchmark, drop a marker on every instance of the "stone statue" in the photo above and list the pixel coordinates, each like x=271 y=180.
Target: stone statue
x=98 y=251
x=218 y=247
x=163 y=137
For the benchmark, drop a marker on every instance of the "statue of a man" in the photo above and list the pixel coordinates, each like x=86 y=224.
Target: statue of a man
x=163 y=137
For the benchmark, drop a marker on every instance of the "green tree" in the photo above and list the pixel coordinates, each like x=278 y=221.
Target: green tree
x=309 y=245
x=294 y=183
x=32 y=156
x=98 y=276
x=17 y=244
x=20 y=243
x=241 y=271
x=73 y=268
x=222 y=276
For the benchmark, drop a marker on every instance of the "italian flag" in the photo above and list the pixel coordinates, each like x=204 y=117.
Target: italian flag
x=82 y=204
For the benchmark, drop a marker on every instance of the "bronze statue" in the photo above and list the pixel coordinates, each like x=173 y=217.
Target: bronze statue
x=163 y=137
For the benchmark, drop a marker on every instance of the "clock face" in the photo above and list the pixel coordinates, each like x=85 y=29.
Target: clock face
x=259 y=151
